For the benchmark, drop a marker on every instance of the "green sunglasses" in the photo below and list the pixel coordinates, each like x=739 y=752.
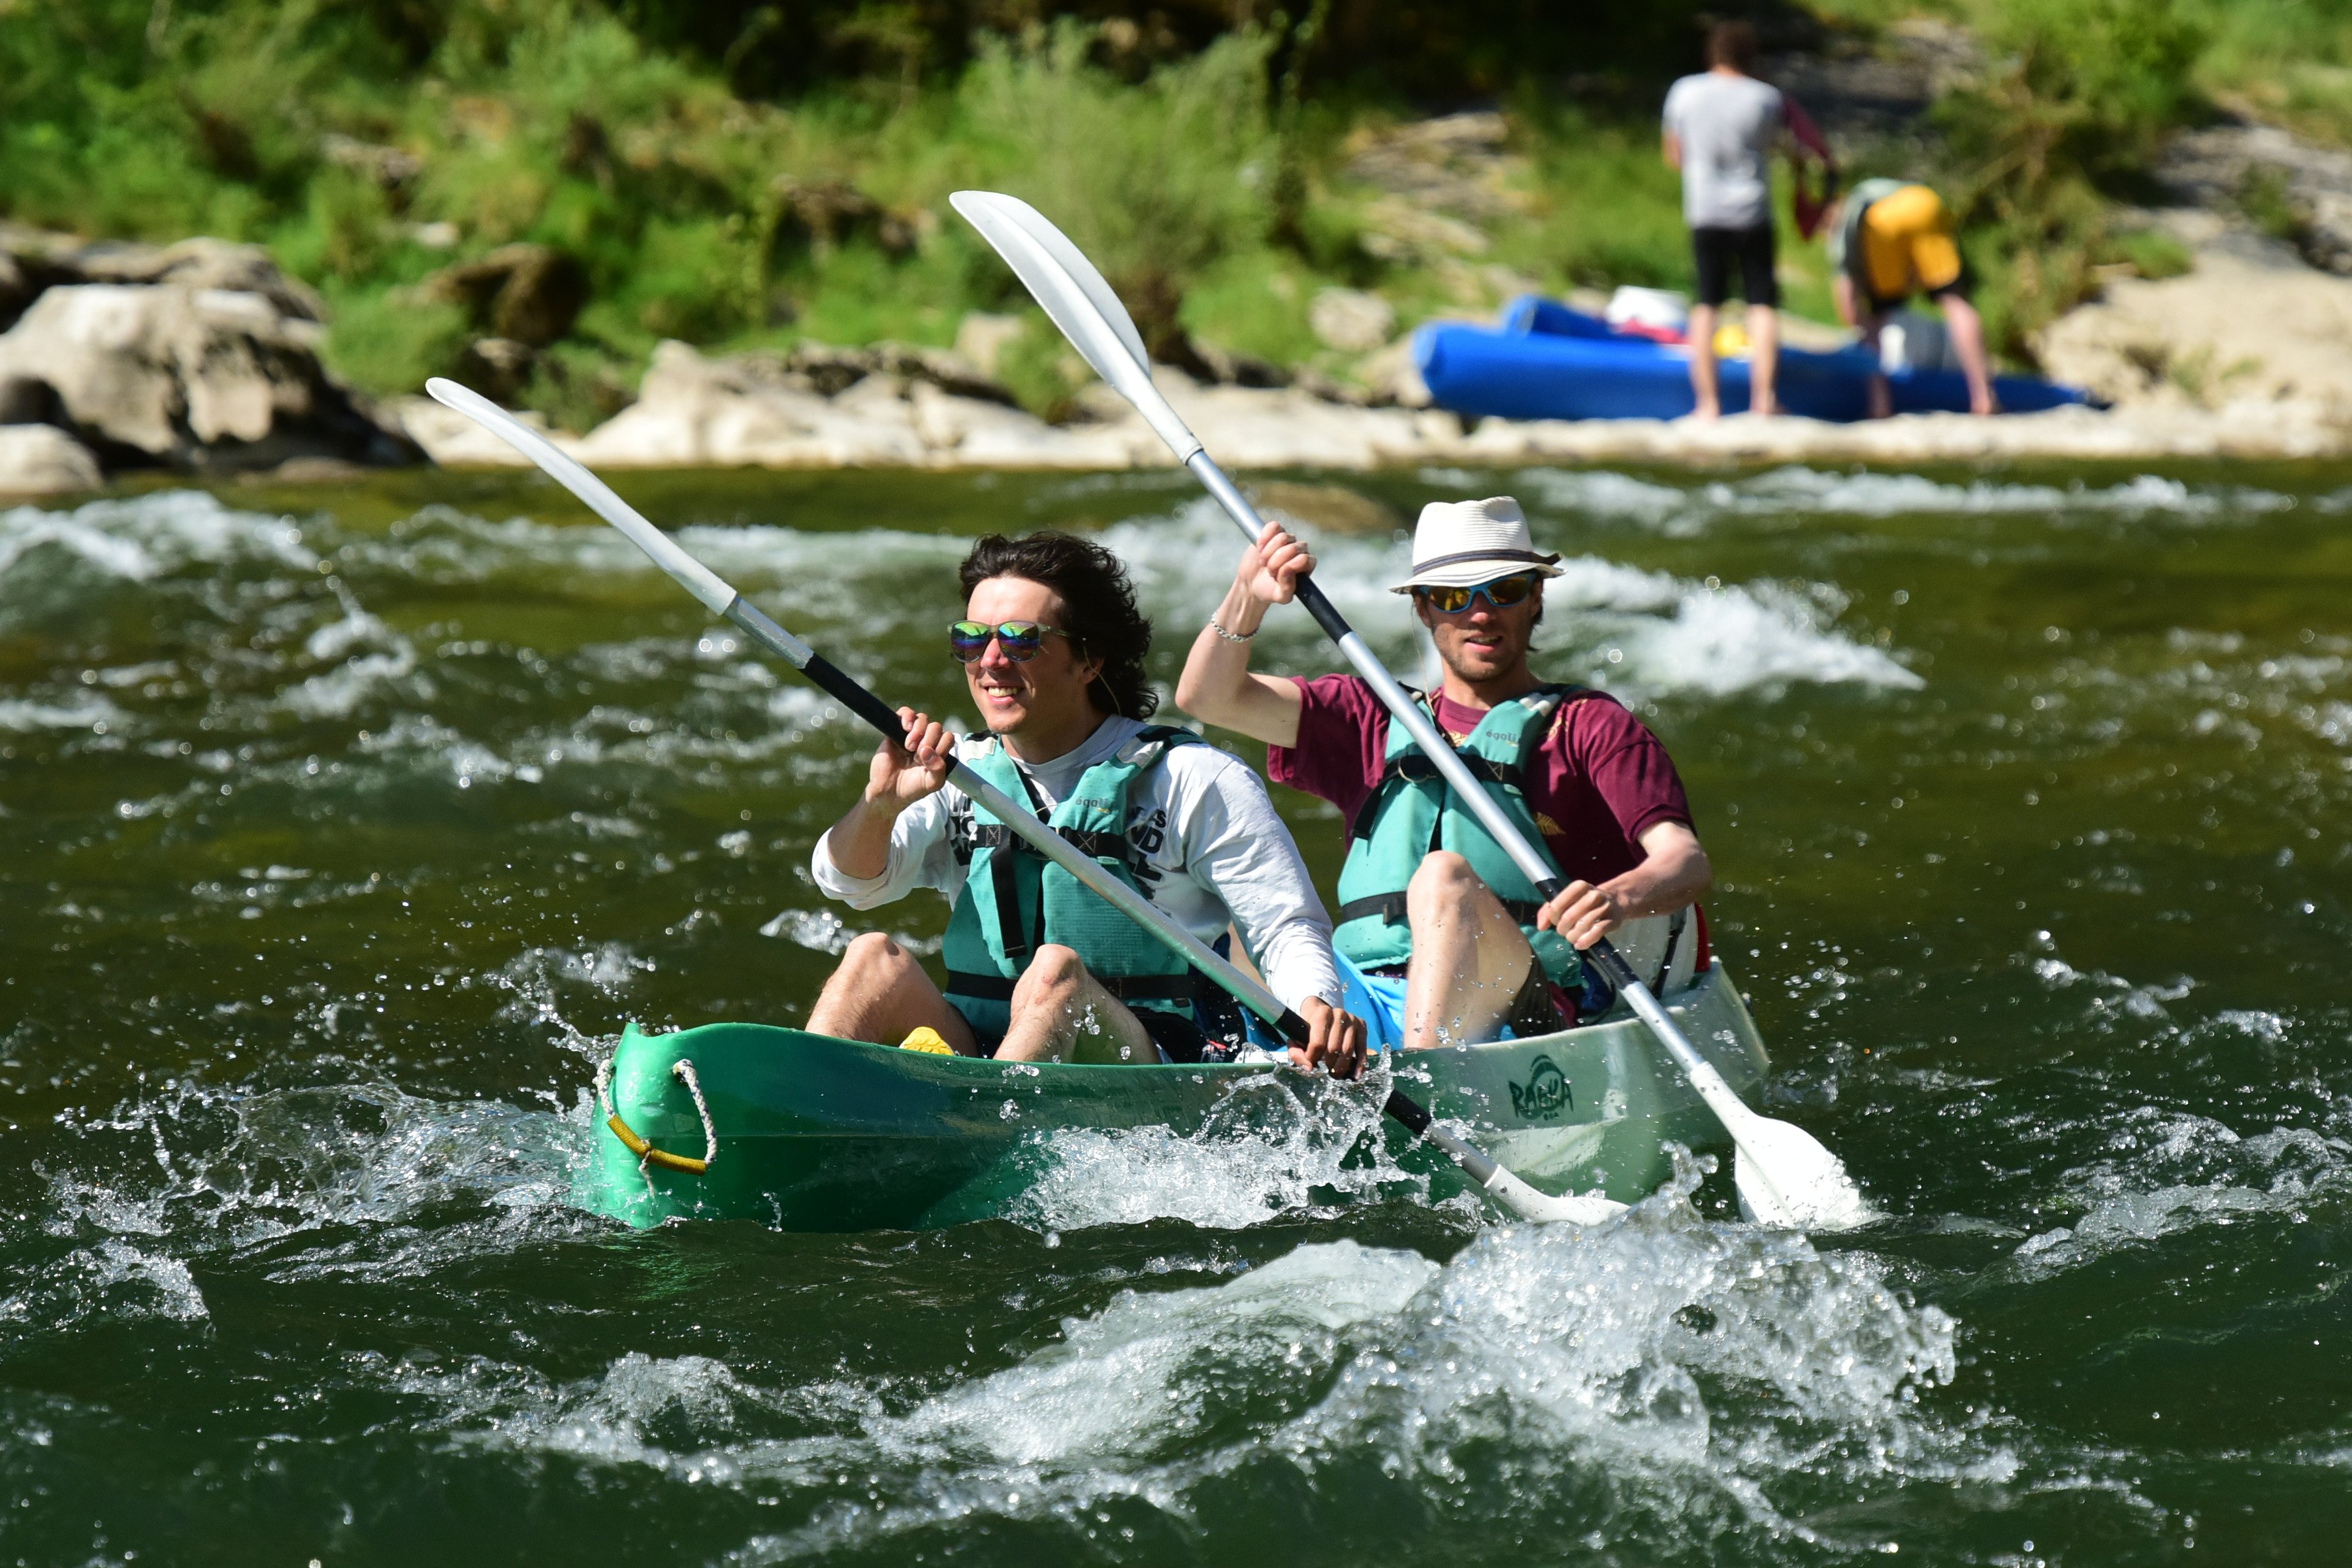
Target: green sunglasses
x=1502 y=594
x=968 y=640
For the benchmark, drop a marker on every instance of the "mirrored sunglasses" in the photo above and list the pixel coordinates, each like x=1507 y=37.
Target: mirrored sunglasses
x=968 y=640
x=1502 y=594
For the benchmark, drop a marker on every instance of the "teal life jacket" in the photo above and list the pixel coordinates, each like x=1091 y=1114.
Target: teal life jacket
x=1413 y=813
x=1014 y=900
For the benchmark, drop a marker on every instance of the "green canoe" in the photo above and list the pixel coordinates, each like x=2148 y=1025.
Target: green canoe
x=808 y=1133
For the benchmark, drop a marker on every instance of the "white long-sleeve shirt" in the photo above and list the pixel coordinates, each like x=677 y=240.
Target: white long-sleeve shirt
x=1212 y=851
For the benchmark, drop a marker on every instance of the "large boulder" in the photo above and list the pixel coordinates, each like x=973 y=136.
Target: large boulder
x=751 y=412
x=199 y=263
x=42 y=460
x=189 y=376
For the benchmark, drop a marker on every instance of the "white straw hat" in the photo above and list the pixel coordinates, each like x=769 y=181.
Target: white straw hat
x=1462 y=543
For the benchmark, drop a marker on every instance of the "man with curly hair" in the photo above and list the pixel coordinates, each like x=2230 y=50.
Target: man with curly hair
x=1038 y=967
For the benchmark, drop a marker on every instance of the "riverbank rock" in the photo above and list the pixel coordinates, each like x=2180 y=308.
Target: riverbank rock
x=529 y=293
x=755 y=411
x=199 y=355
x=1351 y=320
x=43 y=460
x=190 y=377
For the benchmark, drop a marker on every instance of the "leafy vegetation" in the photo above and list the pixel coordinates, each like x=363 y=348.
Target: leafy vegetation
x=738 y=173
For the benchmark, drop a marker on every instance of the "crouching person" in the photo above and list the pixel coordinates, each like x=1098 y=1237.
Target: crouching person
x=1040 y=968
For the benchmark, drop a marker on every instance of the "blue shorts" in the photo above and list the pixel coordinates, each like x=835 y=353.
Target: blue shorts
x=1378 y=1000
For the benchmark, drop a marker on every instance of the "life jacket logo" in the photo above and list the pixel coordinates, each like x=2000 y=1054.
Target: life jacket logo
x=1545 y=1094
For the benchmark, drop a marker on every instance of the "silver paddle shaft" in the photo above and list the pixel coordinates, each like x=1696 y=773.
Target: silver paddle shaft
x=1531 y=862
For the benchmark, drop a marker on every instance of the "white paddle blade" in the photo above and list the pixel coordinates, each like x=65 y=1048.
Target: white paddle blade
x=1076 y=297
x=1787 y=1180
x=984 y=209
x=1544 y=1209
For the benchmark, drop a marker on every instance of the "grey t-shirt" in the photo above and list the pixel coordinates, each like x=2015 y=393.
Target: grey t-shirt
x=1727 y=126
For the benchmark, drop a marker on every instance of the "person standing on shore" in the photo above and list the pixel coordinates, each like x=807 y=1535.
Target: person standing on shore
x=1721 y=128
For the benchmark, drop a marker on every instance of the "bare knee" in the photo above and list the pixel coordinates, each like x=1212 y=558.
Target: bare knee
x=1052 y=979
x=1442 y=885
x=871 y=962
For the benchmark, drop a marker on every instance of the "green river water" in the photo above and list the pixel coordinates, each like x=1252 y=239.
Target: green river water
x=344 y=828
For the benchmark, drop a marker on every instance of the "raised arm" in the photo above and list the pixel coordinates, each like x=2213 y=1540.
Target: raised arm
x=1217 y=686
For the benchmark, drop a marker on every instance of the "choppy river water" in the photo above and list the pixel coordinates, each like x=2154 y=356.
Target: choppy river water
x=342 y=830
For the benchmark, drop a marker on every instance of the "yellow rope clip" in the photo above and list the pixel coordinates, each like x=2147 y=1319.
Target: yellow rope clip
x=651 y=1155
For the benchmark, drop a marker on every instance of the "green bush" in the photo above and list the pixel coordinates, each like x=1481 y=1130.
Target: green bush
x=2077 y=96
x=1156 y=182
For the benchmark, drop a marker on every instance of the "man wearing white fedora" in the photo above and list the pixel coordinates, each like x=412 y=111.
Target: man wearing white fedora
x=1441 y=926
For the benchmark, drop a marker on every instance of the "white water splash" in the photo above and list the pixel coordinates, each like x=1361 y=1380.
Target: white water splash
x=1600 y=494
x=1265 y=1150
x=2167 y=1171
x=74 y=712
x=1609 y=1370
x=1647 y=633
x=140 y=537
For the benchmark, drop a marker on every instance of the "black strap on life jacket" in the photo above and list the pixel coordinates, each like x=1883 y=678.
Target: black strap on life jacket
x=966 y=837
x=1389 y=907
x=1185 y=987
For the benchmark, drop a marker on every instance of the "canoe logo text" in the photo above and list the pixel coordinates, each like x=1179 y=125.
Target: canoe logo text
x=1545 y=1094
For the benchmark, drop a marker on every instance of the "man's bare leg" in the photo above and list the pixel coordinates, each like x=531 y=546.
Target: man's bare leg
x=1763 y=359
x=1470 y=959
x=1881 y=392
x=879 y=992
x=1968 y=346
x=1061 y=1014
x=1706 y=387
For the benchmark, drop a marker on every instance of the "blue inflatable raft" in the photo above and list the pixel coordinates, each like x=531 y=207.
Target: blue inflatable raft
x=1549 y=361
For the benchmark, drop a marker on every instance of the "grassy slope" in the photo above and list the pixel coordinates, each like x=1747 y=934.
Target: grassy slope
x=550 y=121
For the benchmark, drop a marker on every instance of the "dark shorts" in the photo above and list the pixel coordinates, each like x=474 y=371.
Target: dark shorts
x=1960 y=287
x=1718 y=250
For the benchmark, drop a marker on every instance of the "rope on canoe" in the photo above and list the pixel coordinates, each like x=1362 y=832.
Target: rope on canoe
x=683 y=1070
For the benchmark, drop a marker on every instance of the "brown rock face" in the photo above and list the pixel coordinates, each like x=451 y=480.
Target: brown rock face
x=497 y=367
x=527 y=292
x=828 y=211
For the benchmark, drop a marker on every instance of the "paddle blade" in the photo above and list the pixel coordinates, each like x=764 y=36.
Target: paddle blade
x=998 y=215
x=1080 y=302
x=1544 y=1209
x=1786 y=1179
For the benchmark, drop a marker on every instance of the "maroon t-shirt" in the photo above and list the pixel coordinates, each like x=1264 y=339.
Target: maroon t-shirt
x=1597 y=779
